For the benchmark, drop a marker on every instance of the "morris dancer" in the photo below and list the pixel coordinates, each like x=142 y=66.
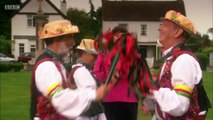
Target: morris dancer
x=52 y=95
x=180 y=78
x=83 y=78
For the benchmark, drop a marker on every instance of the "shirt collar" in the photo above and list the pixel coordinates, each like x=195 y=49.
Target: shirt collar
x=53 y=55
x=166 y=52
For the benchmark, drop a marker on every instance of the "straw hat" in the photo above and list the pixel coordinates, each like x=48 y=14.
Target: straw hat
x=88 y=46
x=57 y=28
x=181 y=21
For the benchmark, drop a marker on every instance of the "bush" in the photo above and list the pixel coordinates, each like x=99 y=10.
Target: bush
x=10 y=66
x=207 y=50
x=203 y=60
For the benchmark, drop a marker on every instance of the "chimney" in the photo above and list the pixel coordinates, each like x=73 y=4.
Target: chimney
x=63 y=7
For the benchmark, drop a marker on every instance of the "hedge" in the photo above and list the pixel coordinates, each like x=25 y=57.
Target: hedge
x=10 y=66
x=203 y=60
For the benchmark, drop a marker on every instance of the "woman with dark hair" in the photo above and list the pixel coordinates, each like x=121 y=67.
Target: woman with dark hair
x=120 y=103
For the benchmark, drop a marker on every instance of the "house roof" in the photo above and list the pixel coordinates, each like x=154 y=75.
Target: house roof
x=139 y=10
x=48 y=1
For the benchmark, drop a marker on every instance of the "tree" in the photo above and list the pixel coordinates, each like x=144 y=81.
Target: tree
x=98 y=21
x=199 y=42
x=96 y=16
x=200 y=45
x=210 y=30
x=89 y=23
x=84 y=23
x=6 y=12
x=5 y=45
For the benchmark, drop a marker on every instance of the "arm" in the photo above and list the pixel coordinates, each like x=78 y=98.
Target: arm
x=70 y=103
x=186 y=73
x=84 y=81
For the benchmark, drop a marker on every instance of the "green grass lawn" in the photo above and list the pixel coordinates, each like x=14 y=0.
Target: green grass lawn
x=15 y=92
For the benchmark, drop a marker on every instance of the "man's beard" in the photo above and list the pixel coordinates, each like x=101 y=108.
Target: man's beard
x=63 y=50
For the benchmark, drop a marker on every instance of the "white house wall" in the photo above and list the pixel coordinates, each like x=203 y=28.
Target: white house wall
x=16 y=46
x=19 y=25
x=21 y=28
x=149 y=41
x=33 y=6
x=135 y=27
x=54 y=17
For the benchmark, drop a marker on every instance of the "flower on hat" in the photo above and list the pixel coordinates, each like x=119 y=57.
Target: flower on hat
x=181 y=21
x=57 y=28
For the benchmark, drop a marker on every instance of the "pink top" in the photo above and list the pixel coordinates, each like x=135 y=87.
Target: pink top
x=121 y=92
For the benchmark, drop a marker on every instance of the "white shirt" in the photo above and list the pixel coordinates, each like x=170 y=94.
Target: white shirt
x=185 y=70
x=68 y=102
x=86 y=81
x=83 y=81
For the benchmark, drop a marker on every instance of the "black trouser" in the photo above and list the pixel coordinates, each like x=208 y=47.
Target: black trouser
x=121 y=110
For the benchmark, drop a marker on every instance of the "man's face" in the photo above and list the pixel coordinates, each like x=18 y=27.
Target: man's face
x=91 y=58
x=166 y=32
x=65 y=45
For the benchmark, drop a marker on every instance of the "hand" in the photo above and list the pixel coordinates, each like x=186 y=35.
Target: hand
x=101 y=92
x=113 y=81
x=154 y=76
x=151 y=91
x=145 y=109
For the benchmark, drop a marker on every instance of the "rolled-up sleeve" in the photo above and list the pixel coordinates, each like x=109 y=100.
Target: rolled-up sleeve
x=186 y=73
x=68 y=102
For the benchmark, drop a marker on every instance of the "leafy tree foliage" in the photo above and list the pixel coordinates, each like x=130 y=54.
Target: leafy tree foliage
x=83 y=21
x=210 y=30
x=201 y=46
x=5 y=26
x=89 y=23
x=97 y=17
x=199 y=42
x=5 y=45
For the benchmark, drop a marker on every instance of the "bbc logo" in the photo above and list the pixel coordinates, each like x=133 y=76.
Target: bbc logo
x=12 y=7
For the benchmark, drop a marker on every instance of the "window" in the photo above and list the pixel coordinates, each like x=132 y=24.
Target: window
x=144 y=30
x=32 y=48
x=125 y=25
x=21 y=48
x=31 y=20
